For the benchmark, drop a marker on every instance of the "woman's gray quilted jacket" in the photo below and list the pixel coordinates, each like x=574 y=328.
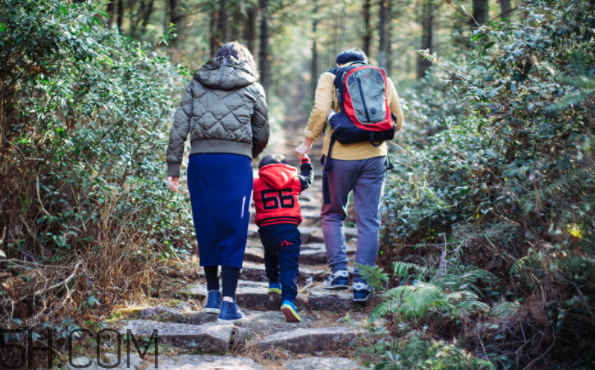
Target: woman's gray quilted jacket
x=223 y=109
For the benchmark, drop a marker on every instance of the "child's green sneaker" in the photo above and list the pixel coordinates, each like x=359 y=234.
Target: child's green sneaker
x=290 y=311
x=274 y=288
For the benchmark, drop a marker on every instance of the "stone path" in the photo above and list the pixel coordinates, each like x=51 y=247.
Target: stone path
x=323 y=340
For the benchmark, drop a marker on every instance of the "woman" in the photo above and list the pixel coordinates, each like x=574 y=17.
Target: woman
x=224 y=110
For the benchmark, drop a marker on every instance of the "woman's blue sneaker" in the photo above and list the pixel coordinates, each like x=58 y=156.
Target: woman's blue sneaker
x=213 y=302
x=274 y=288
x=230 y=312
x=290 y=311
x=337 y=280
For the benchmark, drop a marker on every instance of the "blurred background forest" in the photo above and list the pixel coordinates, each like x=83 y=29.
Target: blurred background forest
x=488 y=250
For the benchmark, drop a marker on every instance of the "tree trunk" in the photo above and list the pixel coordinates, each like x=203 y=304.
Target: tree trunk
x=237 y=20
x=213 y=33
x=250 y=29
x=110 y=12
x=175 y=17
x=120 y=9
x=426 y=40
x=135 y=19
x=505 y=8
x=264 y=47
x=382 y=32
x=367 y=31
x=389 y=34
x=223 y=22
x=314 y=61
x=147 y=16
x=481 y=11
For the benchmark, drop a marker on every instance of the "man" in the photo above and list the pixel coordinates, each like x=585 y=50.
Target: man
x=357 y=167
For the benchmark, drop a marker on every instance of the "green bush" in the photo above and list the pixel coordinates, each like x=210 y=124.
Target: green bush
x=84 y=114
x=507 y=187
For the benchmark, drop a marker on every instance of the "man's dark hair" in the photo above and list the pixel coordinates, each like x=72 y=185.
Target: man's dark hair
x=272 y=159
x=351 y=55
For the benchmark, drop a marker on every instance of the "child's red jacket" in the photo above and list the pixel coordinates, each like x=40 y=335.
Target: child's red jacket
x=276 y=193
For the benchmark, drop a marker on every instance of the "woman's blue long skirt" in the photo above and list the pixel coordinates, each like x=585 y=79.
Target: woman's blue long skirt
x=220 y=187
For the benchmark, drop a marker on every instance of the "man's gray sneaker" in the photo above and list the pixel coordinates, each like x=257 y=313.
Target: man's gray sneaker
x=337 y=280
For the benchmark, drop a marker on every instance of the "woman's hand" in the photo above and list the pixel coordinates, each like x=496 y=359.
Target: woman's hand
x=303 y=148
x=173 y=183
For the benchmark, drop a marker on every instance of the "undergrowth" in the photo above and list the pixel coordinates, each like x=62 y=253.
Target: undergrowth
x=488 y=227
x=85 y=214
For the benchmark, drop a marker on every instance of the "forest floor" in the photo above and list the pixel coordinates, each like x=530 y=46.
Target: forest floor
x=191 y=339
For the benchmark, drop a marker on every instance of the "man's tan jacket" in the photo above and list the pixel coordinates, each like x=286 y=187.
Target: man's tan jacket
x=326 y=99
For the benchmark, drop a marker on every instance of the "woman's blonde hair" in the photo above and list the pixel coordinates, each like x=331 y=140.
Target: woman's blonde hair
x=240 y=52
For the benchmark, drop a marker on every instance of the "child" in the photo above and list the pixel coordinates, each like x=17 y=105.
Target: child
x=278 y=215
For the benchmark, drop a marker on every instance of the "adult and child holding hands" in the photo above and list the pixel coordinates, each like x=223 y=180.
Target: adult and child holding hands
x=224 y=111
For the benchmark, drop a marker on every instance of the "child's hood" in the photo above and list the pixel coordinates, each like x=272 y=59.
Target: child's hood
x=278 y=175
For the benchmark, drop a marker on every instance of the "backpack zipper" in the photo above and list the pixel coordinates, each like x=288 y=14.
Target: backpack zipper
x=361 y=93
x=223 y=65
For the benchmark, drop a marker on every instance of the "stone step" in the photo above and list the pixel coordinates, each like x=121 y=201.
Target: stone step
x=320 y=363
x=330 y=300
x=258 y=324
x=310 y=234
x=207 y=362
x=256 y=272
x=166 y=314
x=210 y=337
x=256 y=296
x=315 y=253
x=180 y=362
x=254 y=254
x=249 y=294
x=309 y=216
x=310 y=254
x=308 y=340
x=252 y=295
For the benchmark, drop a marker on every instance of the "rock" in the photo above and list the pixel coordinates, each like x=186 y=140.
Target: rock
x=321 y=363
x=323 y=301
x=195 y=291
x=313 y=257
x=254 y=254
x=211 y=337
x=309 y=205
x=257 y=272
x=249 y=294
x=171 y=315
x=182 y=306
x=259 y=298
x=311 y=234
x=207 y=362
x=108 y=359
x=311 y=214
x=309 y=340
x=253 y=231
x=262 y=323
x=253 y=272
x=312 y=246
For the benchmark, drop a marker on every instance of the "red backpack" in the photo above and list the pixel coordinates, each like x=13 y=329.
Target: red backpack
x=365 y=114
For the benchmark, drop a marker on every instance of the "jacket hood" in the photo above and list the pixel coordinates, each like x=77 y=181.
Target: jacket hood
x=278 y=175
x=225 y=73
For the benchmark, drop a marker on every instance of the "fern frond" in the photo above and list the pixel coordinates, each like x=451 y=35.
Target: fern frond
x=374 y=275
x=385 y=307
x=403 y=270
x=506 y=310
x=466 y=301
x=466 y=281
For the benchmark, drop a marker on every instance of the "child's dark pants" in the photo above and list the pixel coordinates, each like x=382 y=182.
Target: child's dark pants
x=281 y=253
